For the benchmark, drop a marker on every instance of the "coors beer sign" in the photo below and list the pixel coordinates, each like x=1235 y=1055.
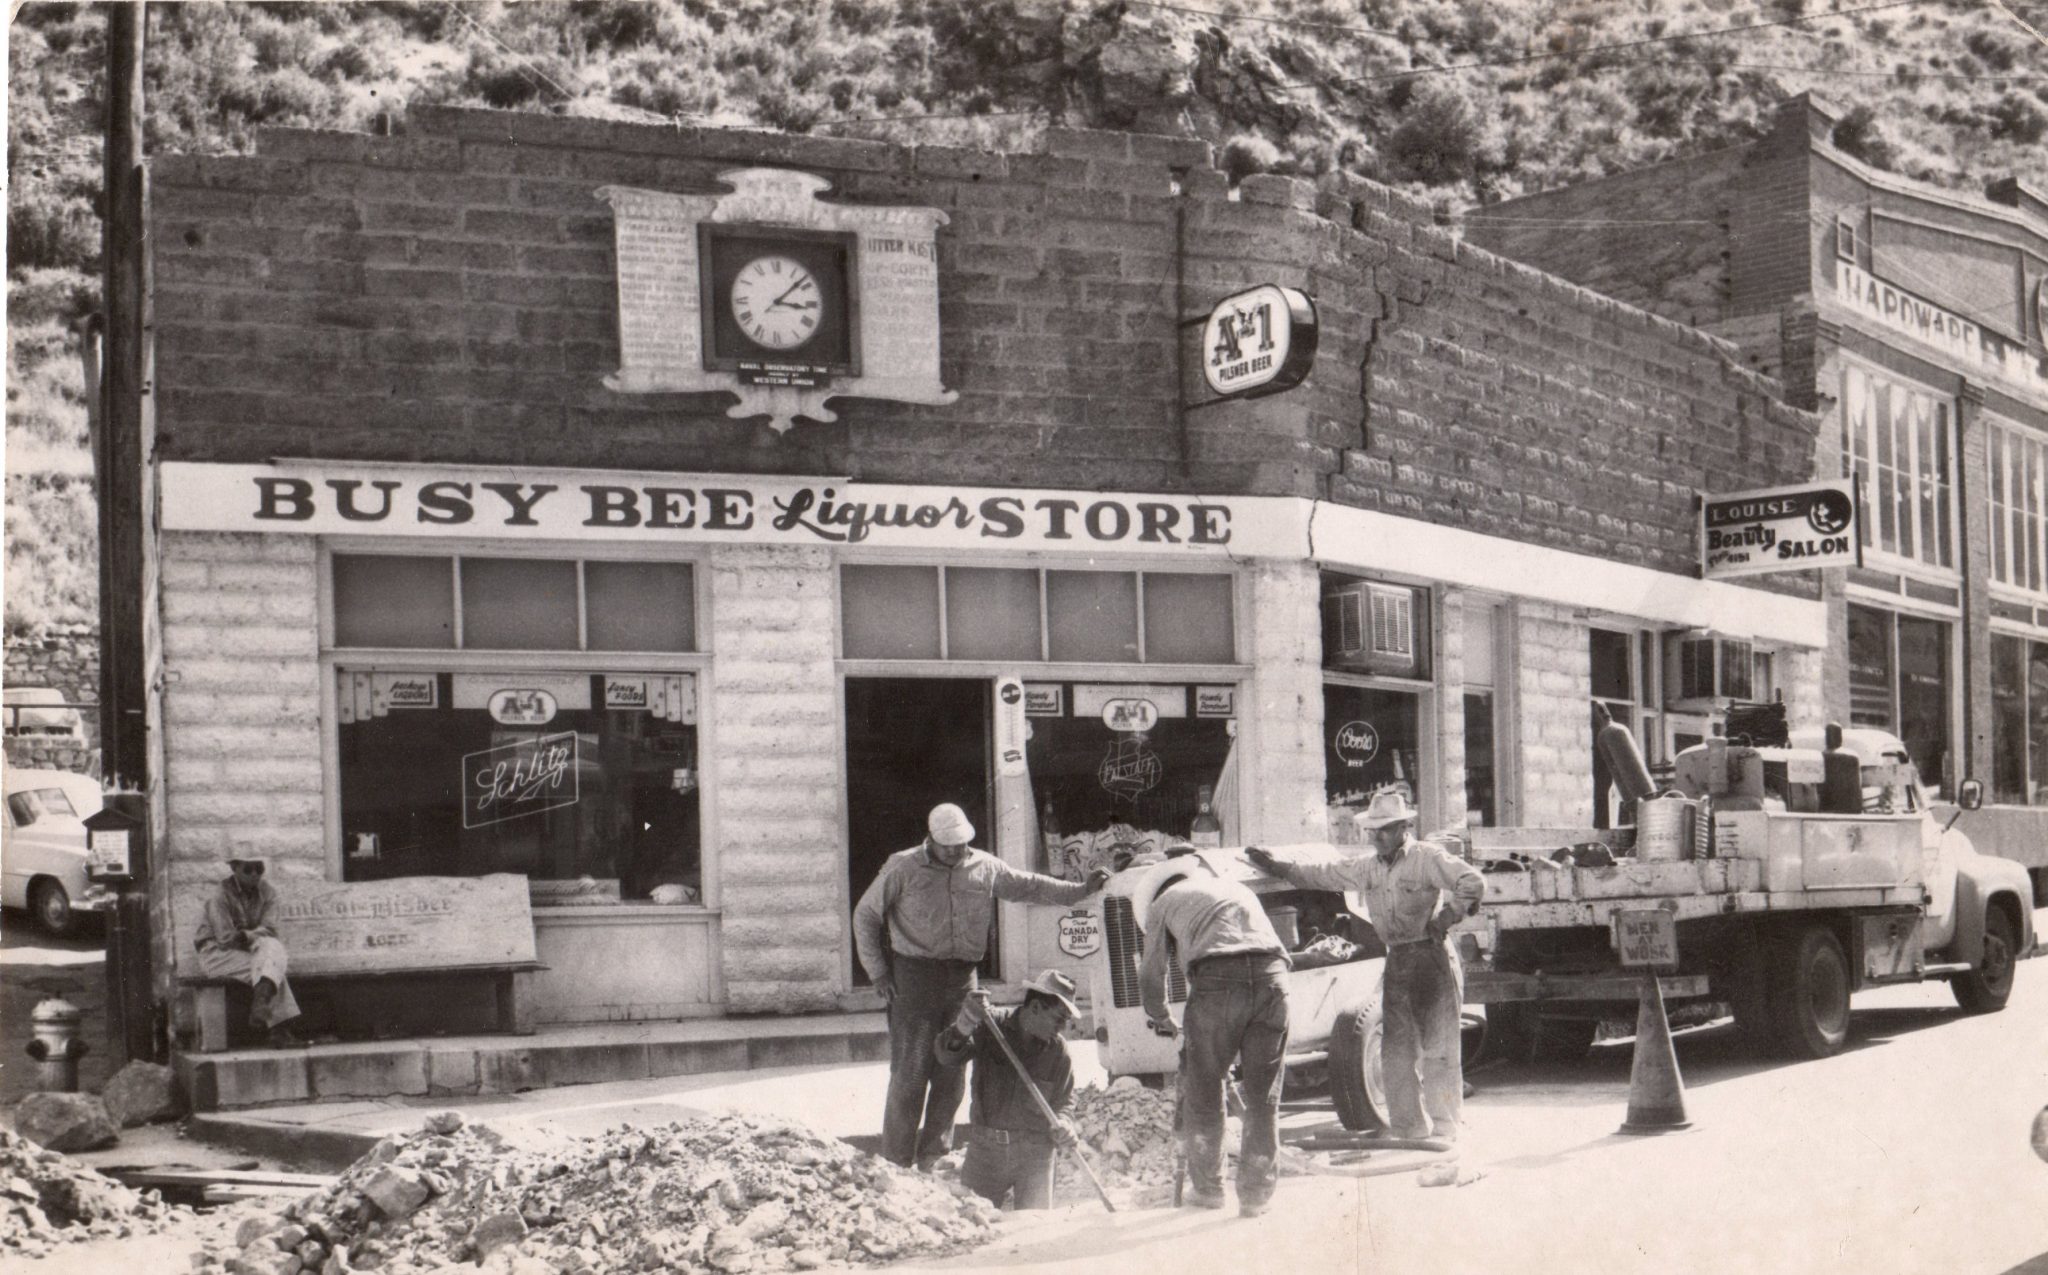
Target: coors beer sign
x=1780 y=529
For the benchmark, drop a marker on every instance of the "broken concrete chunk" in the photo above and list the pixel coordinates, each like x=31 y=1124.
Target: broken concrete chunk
x=397 y=1193
x=65 y=1122
x=140 y=1093
x=496 y=1231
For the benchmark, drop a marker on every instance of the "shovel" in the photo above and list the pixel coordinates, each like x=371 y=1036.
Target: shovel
x=1044 y=1108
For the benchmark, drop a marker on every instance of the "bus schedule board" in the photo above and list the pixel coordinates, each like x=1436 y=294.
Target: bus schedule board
x=1754 y=533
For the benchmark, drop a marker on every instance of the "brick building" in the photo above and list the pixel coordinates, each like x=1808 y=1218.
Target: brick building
x=1913 y=319
x=430 y=495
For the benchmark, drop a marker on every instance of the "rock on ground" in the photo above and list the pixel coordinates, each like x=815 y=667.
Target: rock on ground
x=140 y=1093
x=65 y=1122
x=48 y=1200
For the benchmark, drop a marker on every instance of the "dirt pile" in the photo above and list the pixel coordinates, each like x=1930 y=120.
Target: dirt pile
x=47 y=1199
x=1128 y=1130
x=724 y=1193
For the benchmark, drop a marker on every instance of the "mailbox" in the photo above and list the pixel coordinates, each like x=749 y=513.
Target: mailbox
x=116 y=845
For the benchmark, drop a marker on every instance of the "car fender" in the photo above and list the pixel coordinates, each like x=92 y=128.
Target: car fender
x=1980 y=881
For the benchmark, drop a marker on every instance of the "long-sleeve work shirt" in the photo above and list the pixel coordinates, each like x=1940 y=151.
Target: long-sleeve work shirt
x=1402 y=891
x=1205 y=916
x=1000 y=1099
x=918 y=906
x=230 y=912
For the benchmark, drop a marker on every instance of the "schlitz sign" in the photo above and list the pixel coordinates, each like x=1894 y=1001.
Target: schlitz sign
x=516 y=780
x=1779 y=529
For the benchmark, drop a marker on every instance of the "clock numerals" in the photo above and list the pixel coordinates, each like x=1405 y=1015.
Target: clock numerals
x=776 y=301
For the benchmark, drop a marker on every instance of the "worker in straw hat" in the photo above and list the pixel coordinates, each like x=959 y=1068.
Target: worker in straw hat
x=1011 y=1150
x=1405 y=883
x=1236 y=969
x=237 y=939
x=920 y=929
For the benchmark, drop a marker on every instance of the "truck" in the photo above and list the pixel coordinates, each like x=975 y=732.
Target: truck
x=1779 y=896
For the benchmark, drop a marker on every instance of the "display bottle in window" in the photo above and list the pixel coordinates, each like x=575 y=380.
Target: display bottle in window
x=1400 y=783
x=1049 y=837
x=1207 y=830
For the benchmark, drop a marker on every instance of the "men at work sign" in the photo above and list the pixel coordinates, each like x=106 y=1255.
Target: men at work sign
x=1779 y=529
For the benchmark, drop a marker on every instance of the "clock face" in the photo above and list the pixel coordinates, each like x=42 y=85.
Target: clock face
x=776 y=302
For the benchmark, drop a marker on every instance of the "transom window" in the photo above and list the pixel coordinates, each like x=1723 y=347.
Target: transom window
x=1898 y=443
x=1033 y=615
x=512 y=604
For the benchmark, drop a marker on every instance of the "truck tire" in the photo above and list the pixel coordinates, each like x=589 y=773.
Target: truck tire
x=1984 y=989
x=1357 y=1084
x=1810 y=1006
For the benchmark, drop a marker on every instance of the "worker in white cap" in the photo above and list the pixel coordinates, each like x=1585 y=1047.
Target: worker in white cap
x=237 y=939
x=921 y=929
x=1236 y=1014
x=1415 y=891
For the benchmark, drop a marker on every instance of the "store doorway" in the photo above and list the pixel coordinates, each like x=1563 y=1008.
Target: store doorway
x=910 y=744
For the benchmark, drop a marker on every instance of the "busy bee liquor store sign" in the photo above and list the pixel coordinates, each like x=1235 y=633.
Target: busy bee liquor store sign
x=1779 y=529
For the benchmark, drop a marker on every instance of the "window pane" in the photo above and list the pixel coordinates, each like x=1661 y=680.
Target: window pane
x=1371 y=740
x=991 y=614
x=1155 y=784
x=1479 y=798
x=447 y=790
x=1093 y=616
x=2000 y=510
x=1188 y=619
x=890 y=613
x=2008 y=719
x=1870 y=668
x=1478 y=620
x=640 y=606
x=1610 y=665
x=387 y=601
x=518 y=604
x=2037 y=723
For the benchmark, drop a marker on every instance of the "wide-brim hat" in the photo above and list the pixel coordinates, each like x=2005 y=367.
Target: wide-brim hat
x=1157 y=878
x=1385 y=808
x=237 y=861
x=948 y=825
x=1059 y=987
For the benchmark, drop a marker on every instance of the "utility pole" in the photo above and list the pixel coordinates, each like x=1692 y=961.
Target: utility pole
x=126 y=500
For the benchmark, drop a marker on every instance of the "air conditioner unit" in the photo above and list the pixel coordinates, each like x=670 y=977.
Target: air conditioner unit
x=1375 y=628
x=1704 y=672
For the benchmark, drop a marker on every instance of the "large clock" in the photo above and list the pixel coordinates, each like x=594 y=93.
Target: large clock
x=778 y=305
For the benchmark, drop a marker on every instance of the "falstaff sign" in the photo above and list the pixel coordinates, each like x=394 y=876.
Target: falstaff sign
x=315 y=498
x=1895 y=308
x=1779 y=529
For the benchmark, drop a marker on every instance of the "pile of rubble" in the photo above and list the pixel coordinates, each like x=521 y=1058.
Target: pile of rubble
x=723 y=1193
x=47 y=1199
x=1128 y=1130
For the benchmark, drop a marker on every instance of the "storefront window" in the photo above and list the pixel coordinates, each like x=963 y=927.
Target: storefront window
x=1899 y=681
x=1029 y=615
x=1480 y=620
x=2019 y=508
x=1371 y=740
x=1118 y=770
x=2019 y=721
x=1897 y=442
x=585 y=783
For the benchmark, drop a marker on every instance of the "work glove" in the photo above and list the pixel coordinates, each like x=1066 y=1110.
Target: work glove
x=1162 y=1026
x=1264 y=860
x=1063 y=1135
x=1097 y=878
x=969 y=1017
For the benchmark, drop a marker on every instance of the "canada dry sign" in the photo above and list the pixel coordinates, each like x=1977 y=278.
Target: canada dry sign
x=1259 y=342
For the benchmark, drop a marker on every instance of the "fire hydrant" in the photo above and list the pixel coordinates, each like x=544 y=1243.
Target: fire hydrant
x=57 y=1046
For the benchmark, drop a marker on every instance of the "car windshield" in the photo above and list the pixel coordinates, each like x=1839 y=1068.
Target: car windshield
x=33 y=804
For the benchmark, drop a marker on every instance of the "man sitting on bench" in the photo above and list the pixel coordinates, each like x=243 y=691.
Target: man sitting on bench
x=237 y=940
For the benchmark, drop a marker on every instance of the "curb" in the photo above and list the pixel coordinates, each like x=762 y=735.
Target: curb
x=313 y=1150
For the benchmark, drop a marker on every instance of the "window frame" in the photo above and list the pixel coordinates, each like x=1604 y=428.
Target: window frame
x=2027 y=637
x=2004 y=441
x=458 y=659
x=1867 y=495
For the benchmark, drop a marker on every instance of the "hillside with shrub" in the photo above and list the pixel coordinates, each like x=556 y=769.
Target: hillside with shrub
x=1458 y=102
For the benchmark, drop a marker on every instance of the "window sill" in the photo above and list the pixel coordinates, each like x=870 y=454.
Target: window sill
x=626 y=911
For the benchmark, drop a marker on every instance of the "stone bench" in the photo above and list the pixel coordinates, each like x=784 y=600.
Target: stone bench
x=405 y=927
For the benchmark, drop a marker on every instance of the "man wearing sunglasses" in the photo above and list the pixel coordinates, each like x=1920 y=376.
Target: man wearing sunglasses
x=238 y=939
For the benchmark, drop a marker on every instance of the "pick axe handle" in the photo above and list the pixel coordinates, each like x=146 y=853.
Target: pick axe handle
x=1044 y=1108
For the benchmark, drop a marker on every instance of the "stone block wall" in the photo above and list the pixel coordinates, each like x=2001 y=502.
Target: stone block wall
x=1280 y=744
x=1553 y=687
x=775 y=758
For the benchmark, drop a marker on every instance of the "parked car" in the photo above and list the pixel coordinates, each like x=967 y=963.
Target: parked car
x=42 y=860
x=41 y=710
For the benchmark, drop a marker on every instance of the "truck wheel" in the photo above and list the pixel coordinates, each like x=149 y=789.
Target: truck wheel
x=1984 y=989
x=1357 y=1084
x=1811 y=1007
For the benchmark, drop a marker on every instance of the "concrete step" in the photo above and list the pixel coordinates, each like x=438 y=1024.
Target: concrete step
x=468 y=1066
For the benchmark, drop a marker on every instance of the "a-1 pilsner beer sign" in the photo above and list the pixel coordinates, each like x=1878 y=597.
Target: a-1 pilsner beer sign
x=1259 y=342
x=1754 y=533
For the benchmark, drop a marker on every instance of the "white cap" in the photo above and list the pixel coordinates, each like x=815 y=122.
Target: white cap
x=948 y=825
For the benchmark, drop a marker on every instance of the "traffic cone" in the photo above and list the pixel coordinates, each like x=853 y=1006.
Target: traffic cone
x=1656 y=1092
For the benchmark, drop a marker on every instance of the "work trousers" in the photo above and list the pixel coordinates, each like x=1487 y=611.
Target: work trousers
x=266 y=959
x=924 y=1093
x=1420 y=1048
x=1023 y=1164
x=1236 y=1012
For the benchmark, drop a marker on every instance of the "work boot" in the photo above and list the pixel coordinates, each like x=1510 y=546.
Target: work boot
x=1252 y=1206
x=260 y=1002
x=1197 y=1198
